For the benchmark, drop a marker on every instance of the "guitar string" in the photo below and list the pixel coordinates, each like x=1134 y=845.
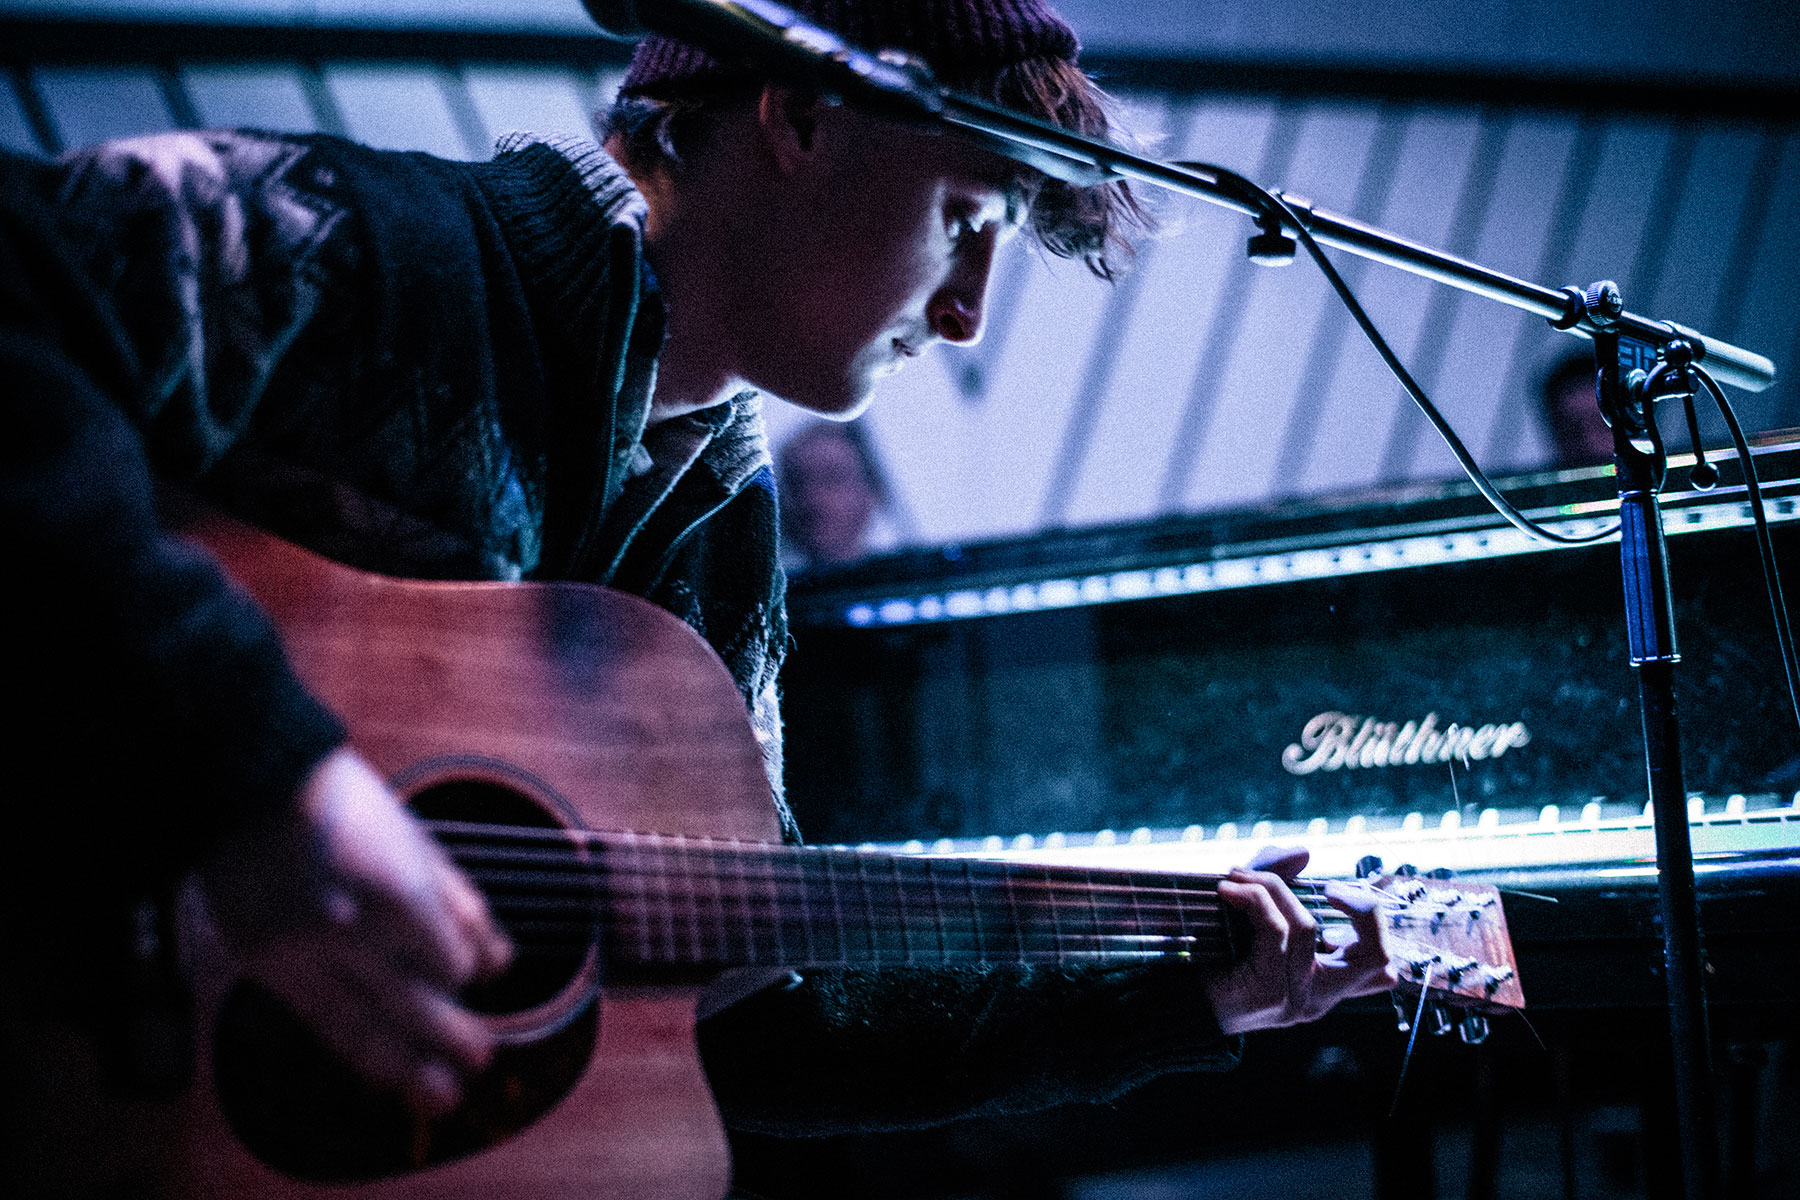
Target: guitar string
x=788 y=861
x=806 y=887
x=791 y=900
x=760 y=921
x=777 y=942
x=560 y=837
x=803 y=901
x=788 y=889
x=575 y=845
x=799 y=887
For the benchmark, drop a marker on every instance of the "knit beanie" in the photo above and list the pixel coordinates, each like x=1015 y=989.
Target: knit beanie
x=962 y=41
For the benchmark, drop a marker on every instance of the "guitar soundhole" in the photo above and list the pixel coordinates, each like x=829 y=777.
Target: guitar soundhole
x=304 y=1112
x=539 y=903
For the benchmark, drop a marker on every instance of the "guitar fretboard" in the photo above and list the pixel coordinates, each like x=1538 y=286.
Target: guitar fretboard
x=655 y=899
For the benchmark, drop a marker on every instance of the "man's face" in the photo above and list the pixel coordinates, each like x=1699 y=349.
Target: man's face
x=885 y=242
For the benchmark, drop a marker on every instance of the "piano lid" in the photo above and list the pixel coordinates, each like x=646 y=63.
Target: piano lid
x=1419 y=525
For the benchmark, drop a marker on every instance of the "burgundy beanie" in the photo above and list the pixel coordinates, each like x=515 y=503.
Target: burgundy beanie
x=962 y=40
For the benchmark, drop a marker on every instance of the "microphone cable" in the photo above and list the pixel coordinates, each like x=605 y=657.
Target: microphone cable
x=1276 y=212
x=1276 y=209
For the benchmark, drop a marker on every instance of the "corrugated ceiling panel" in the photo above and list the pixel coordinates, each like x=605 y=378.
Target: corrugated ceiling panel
x=1181 y=290
x=1483 y=334
x=1007 y=441
x=1237 y=462
x=15 y=130
x=1697 y=243
x=93 y=104
x=1362 y=399
x=914 y=425
x=1769 y=319
x=262 y=97
x=398 y=108
x=536 y=99
x=1603 y=244
x=1102 y=362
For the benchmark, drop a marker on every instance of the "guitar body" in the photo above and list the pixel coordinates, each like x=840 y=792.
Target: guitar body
x=536 y=704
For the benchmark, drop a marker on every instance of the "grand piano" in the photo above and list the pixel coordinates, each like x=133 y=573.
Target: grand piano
x=1395 y=676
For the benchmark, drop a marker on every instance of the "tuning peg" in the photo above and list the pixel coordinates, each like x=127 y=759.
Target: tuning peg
x=1367 y=865
x=1473 y=1028
x=1437 y=1021
x=1493 y=977
x=1440 y=873
x=1406 y=870
x=1402 y=1015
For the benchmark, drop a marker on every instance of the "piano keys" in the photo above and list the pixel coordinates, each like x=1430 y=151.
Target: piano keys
x=1613 y=837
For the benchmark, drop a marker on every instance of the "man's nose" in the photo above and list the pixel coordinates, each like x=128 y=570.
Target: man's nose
x=957 y=318
x=958 y=310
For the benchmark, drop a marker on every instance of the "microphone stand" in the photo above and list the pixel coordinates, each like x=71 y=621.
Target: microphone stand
x=1598 y=313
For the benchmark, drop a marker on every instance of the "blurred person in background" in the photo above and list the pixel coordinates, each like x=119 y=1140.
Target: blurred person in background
x=1577 y=434
x=831 y=492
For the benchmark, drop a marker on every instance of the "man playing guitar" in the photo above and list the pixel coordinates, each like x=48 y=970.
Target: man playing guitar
x=544 y=367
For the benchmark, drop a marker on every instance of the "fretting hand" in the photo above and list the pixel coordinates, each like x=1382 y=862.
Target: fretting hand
x=346 y=909
x=1286 y=978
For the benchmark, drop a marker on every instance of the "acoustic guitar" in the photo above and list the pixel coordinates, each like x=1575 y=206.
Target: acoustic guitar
x=587 y=759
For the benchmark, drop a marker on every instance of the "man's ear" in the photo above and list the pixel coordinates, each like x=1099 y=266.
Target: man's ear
x=788 y=120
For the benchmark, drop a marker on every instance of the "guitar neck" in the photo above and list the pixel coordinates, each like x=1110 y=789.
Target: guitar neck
x=660 y=901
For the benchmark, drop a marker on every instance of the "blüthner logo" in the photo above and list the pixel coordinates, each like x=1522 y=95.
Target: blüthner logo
x=1335 y=741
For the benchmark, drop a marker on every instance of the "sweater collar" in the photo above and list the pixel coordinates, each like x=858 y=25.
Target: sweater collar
x=605 y=181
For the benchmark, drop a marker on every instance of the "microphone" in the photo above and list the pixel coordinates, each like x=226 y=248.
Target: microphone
x=774 y=41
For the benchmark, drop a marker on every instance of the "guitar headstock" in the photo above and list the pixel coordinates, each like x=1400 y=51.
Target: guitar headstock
x=1450 y=941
